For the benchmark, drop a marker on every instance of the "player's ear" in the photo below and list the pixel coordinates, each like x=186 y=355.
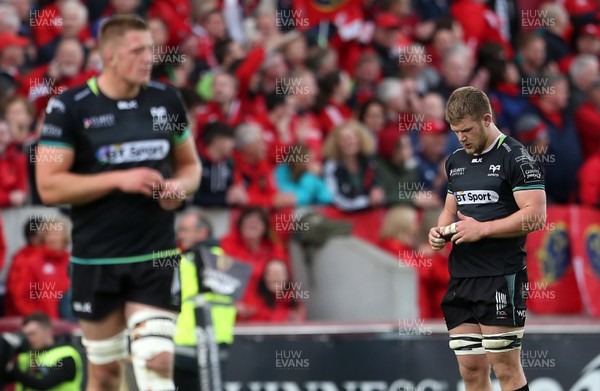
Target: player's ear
x=487 y=119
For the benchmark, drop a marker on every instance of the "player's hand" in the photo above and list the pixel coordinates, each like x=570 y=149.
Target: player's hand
x=170 y=194
x=141 y=180
x=436 y=240
x=467 y=230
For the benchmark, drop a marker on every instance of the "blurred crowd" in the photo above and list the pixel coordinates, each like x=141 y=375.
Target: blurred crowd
x=288 y=111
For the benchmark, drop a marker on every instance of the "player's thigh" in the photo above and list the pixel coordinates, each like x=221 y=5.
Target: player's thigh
x=107 y=327
x=133 y=307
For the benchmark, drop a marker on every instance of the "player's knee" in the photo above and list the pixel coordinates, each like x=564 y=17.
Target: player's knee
x=104 y=377
x=503 y=342
x=474 y=371
x=106 y=351
x=466 y=344
x=152 y=348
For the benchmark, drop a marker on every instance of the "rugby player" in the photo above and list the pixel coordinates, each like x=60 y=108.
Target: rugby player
x=495 y=198
x=118 y=150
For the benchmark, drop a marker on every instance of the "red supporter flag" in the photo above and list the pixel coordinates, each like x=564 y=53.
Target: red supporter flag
x=585 y=239
x=317 y=10
x=552 y=284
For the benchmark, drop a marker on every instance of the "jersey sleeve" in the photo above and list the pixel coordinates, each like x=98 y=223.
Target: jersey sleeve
x=524 y=173
x=59 y=125
x=181 y=129
x=447 y=168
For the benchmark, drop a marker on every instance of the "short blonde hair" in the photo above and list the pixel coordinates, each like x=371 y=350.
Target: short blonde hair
x=57 y=223
x=117 y=26
x=399 y=223
x=467 y=102
x=331 y=149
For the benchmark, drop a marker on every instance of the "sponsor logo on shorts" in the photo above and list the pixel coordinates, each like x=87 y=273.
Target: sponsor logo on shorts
x=476 y=197
x=99 y=121
x=501 y=305
x=136 y=151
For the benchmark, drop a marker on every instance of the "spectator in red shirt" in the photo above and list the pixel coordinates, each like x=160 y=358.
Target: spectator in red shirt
x=224 y=106
x=276 y=300
x=583 y=72
x=531 y=131
x=13 y=171
x=20 y=114
x=209 y=28
x=12 y=59
x=267 y=30
x=276 y=124
x=532 y=55
x=587 y=121
x=557 y=32
x=486 y=27
x=66 y=70
x=253 y=171
x=2 y=245
x=400 y=99
x=251 y=241
x=386 y=38
x=46 y=277
x=367 y=73
x=295 y=52
x=447 y=33
x=335 y=89
x=586 y=42
x=18 y=267
x=74 y=24
x=306 y=127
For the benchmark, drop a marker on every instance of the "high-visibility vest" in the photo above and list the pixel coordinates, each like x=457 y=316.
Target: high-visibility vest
x=51 y=359
x=222 y=307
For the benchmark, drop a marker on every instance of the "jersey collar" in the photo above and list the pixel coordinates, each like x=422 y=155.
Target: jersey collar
x=500 y=137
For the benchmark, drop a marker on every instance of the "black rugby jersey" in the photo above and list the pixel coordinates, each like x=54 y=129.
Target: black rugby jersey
x=106 y=135
x=483 y=187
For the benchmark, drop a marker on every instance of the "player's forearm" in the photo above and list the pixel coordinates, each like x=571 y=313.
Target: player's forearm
x=446 y=218
x=188 y=177
x=520 y=223
x=74 y=189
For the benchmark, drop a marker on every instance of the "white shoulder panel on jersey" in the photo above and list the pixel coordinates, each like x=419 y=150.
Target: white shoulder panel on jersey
x=82 y=94
x=157 y=84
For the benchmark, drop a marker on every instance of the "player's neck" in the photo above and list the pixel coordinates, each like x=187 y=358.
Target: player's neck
x=492 y=139
x=115 y=87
